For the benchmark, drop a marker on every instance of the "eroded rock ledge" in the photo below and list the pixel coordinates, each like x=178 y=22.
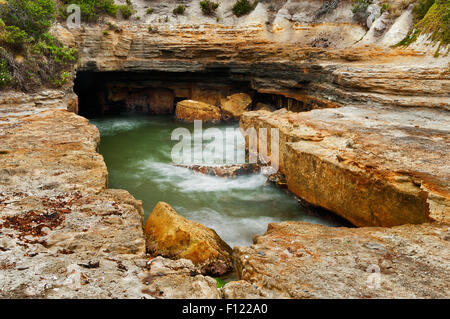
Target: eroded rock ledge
x=373 y=166
x=308 y=77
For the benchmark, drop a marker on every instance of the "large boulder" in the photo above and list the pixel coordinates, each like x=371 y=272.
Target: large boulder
x=235 y=105
x=190 y=110
x=171 y=235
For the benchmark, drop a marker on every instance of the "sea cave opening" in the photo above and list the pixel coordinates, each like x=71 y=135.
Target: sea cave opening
x=134 y=112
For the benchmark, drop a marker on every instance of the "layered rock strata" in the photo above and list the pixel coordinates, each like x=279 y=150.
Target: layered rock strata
x=306 y=77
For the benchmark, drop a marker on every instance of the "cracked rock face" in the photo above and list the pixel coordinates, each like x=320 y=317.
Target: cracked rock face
x=301 y=260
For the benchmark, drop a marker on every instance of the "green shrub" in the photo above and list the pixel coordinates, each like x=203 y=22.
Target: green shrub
x=410 y=38
x=13 y=37
x=360 y=6
x=208 y=7
x=179 y=10
x=91 y=9
x=421 y=9
x=64 y=76
x=220 y=283
x=5 y=76
x=243 y=7
x=126 y=11
x=359 y=10
x=24 y=25
x=60 y=54
x=150 y=10
x=32 y=16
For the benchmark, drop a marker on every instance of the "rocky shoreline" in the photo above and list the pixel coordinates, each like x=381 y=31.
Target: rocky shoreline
x=364 y=133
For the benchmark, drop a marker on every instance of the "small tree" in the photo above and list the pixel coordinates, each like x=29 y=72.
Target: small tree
x=208 y=7
x=243 y=7
x=32 y=16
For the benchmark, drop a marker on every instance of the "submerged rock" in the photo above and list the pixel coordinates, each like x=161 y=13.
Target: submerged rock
x=189 y=110
x=171 y=235
x=225 y=171
x=235 y=105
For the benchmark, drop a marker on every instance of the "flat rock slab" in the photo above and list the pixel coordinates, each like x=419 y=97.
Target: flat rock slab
x=301 y=260
x=373 y=166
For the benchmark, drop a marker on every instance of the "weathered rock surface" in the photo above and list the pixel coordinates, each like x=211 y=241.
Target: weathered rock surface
x=63 y=234
x=178 y=279
x=171 y=235
x=301 y=260
x=189 y=110
x=357 y=161
x=235 y=105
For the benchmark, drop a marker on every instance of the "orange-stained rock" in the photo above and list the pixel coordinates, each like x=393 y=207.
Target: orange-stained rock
x=171 y=235
x=235 y=105
x=189 y=110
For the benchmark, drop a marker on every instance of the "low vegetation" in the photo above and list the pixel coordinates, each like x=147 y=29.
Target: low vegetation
x=431 y=17
x=436 y=23
x=179 y=10
x=91 y=10
x=208 y=7
x=126 y=10
x=243 y=7
x=29 y=56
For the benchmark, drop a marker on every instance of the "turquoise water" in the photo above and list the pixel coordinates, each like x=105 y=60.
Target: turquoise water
x=137 y=150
